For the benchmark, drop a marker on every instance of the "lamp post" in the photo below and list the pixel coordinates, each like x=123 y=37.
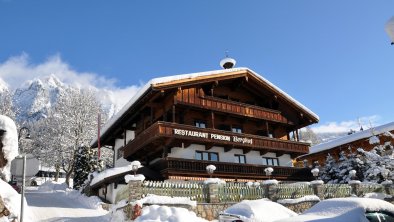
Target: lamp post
x=352 y=174
x=268 y=172
x=390 y=29
x=315 y=173
x=134 y=166
x=210 y=169
x=23 y=154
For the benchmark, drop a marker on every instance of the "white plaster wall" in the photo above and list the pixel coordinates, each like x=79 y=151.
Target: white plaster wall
x=285 y=160
x=253 y=157
x=121 y=161
x=130 y=135
x=118 y=143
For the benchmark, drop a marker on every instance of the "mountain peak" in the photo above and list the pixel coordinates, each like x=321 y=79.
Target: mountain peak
x=3 y=86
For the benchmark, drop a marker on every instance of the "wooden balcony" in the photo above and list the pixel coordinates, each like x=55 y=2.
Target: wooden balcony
x=197 y=168
x=168 y=134
x=228 y=106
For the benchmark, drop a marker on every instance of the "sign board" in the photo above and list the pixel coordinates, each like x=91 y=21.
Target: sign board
x=213 y=136
x=32 y=166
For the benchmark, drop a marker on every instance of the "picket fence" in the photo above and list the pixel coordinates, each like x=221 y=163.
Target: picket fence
x=236 y=192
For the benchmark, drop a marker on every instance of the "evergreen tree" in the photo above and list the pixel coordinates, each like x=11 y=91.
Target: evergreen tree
x=329 y=171
x=85 y=163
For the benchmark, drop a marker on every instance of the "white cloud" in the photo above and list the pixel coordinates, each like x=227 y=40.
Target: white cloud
x=346 y=126
x=18 y=70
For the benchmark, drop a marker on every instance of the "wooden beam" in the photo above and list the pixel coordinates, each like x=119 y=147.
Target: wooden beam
x=208 y=146
x=245 y=151
x=228 y=148
x=173 y=113
x=279 y=154
x=263 y=152
x=213 y=119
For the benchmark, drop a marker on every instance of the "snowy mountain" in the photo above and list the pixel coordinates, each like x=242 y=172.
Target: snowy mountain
x=3 y=86
x=34 y=98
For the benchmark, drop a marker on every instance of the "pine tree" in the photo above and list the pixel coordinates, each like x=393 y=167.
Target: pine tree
x=329 y=171
x=85 y=163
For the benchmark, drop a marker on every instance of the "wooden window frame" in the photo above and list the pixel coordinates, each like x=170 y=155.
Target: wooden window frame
x=209 y=155
x=273 y=159
x=237 y=156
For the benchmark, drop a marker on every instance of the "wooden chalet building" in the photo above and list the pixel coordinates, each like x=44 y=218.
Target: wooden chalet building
x=233 y=118
x=348 y=143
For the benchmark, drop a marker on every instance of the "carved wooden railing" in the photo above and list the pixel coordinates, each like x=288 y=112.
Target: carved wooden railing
x=228 y=106
x=198 y=168
x=259 y=143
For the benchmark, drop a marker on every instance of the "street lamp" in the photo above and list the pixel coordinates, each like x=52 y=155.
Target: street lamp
x=268 y=172
x=352 y=174
x=315 y=173
x=134 y=166
x=210 y=169
x=390 y=29
x=23 y=154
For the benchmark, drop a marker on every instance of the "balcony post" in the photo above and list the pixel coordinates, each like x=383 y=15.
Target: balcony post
x=173 y=113
x=213 y=120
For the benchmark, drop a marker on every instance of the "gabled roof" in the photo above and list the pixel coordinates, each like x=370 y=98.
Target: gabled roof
x=365 y=134
x=192 y=77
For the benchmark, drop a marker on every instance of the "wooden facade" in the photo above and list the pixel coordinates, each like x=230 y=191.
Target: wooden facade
x=230 y=111
x=348 y=147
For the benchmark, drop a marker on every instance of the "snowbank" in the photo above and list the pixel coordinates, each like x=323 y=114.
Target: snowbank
x=317 y=182
x=380 y=196
x=214 y=180
x=154 y=199
x=138 y=177
x=92 y=202
x=262 y=210
x=299 y=200
x=10 y=144
x=270 y=182
x=157 y=213
x=51 y=186
x=12 y=200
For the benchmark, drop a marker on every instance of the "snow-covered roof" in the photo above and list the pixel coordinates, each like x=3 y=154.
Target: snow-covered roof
x=351 y=138
x=99 y=177
x=162 y=80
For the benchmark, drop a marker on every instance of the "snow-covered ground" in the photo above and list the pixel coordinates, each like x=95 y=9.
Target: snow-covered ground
x=53 y=202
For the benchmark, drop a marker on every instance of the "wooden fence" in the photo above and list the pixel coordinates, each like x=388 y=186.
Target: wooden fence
x=236 y=192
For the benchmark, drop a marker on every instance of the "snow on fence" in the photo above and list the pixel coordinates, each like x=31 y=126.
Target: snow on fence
x=195 y=190
x=294 y=191
x=236 y=192
x=370 y=188
x=336 y=190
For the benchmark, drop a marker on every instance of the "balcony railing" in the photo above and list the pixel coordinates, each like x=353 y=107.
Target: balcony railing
x=223 y=105
x=197 y=168
x=186 y=133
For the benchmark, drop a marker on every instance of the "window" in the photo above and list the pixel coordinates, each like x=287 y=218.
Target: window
x=270 y=161
x=240 y=158
x=200 y=124
x=236 y=129
x=209 y=156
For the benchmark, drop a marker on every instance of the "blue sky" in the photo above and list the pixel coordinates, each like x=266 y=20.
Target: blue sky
x=333 y=56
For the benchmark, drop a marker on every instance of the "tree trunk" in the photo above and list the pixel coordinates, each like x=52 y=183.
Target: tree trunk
x=57 y=167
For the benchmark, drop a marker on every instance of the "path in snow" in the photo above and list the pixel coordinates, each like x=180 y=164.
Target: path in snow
x=56 y=207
